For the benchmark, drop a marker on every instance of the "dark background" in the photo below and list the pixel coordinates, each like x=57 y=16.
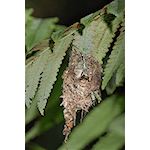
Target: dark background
x=68 y=13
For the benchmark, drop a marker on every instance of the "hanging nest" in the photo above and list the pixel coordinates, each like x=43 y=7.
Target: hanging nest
x=81 y=82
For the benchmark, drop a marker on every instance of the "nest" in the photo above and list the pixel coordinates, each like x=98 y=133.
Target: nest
x=81 y=82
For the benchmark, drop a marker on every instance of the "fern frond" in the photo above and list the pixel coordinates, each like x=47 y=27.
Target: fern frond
x=43 y=45
x=33 y=76
x=28 y=16
x=30 y=59
x=60 y=35
x=103 y=38
x=110 y=141
x=120 y=73
x=111 y=86
x=36 y=50
x=38 y=30
x=115 y=137
x=84 y=44
x=121 y=70
x=53 y=63
x=116 y=58
x=117 y=8
x=88 y=19
x=50 y=71
x=96 y=37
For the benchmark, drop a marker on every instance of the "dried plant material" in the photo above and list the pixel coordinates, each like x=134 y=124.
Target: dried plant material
x=81 y=84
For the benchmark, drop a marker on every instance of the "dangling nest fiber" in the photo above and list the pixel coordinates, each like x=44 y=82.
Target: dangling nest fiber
x=81 y=82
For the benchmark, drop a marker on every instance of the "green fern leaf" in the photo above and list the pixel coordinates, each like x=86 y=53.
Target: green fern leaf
x=115 y=137
x=87 y=19
x=52 y=116
x=110 y=141
x=120 y=73
x=38 y=30
x=43 y=45
x=96 y=35
x=111 y=86
x=103 y=38
x=121 y=70
x=33 y=76
x=30 y=59
x=116 y=7
x=28 y=16
x=115 y=59
x=117 y=126
x=59 y=35
x=41 y=49
x=84 y=44
x=38 y=49
x=50 y=72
